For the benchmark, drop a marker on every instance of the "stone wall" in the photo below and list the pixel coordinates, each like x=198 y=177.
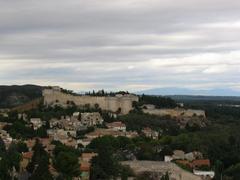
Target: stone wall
x=113 y=104
x=161 y=167
x=178 y=112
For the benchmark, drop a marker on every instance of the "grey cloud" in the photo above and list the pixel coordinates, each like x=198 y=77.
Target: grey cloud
x=96 y=42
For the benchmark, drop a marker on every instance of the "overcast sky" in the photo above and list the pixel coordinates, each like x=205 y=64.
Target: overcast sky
x=120 y=44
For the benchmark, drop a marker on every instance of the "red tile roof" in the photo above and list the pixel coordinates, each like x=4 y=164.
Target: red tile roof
x=201 y=162
x=116 y=124
x=85 y=166
x=89 y=155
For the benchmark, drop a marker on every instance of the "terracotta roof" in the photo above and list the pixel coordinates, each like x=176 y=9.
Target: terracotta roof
x=89 y=155
x=85 y=166
x=201 y=162
x=116 y=124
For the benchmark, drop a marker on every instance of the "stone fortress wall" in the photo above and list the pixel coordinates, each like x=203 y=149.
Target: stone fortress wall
x=54 y=96
x=177 y=112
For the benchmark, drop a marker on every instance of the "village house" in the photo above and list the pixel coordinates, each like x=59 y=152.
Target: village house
x=36 y=123
x=193 y=155
x=22 y=116
x=84 y=142
x=74 y=124
x=4 y=112
x=148 y=132
x=204 y=174
x=69 y=124
x=71 y=143
x=99 y=132
x=181 y=155
x=91 y=119
x=3 y=124
x=7 y=139
x=131 y=134
x=63 y=136
x=168 y=158
x=117 y=126
x=60 y=134
x=76 y=115
x=197 y=165
x=54 y=123
x=193 y=160
x=178 y=154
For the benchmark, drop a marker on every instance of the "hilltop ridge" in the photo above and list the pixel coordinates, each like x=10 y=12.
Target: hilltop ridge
x=11 y=96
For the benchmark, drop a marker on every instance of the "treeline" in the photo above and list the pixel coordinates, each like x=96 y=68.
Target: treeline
x=105 y=93
x=136 y=121
x=158 y=101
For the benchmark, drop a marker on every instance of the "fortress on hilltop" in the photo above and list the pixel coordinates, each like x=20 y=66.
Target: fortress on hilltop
x=119 y=103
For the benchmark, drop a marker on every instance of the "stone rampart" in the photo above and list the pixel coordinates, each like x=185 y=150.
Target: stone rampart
x=123 y=103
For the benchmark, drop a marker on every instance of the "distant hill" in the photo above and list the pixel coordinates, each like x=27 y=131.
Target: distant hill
x=185 y=91
x=204 y=98
x=12 y=96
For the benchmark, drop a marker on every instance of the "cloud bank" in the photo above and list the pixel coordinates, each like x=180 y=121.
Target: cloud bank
x=128 y=44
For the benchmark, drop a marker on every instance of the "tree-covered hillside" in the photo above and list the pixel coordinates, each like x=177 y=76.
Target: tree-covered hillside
x=11 y=96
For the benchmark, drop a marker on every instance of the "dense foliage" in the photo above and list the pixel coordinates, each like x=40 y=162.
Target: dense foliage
x=10 y=159
x=16 y=95
x=137 y=121
x=219 y=141
x=66 y=161
x=106 y=165
x=38 y=166
x=158 y=101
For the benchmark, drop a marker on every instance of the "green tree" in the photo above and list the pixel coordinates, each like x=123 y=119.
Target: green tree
x=14 y=157
x=104 y=166
x=42 y=171
x=218 y=167
x=2 y=146
x=22 y=147
x=4 y=168
x=67 y=164
x=39 y=155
